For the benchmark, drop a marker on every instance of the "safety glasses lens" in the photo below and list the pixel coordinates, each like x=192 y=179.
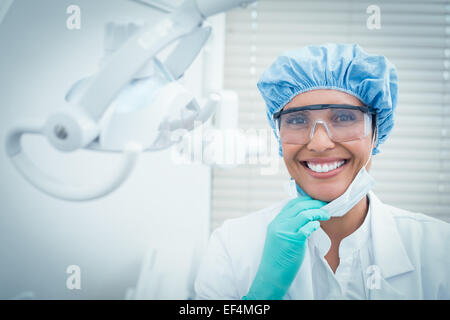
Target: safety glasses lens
x=341 y=125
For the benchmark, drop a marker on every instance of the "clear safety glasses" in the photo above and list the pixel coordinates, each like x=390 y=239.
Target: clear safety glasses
x=342 y=122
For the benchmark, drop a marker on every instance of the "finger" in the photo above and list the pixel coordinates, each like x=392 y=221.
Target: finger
x=285 y=210
x=296 y=200
x=309 y=215
x=304 y=232
x=300 y=206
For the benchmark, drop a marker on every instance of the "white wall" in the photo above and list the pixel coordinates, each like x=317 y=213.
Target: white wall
x=40 y=236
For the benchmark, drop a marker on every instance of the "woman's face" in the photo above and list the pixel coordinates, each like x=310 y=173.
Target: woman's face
x=321 y=149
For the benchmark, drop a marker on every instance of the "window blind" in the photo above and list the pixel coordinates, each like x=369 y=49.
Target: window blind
x=413 y=169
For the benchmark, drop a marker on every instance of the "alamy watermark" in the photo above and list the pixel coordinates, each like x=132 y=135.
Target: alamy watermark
x=73 y=22
x=374 y=20
x=73 y=281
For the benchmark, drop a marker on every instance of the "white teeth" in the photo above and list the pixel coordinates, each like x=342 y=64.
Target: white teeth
x=324 y=167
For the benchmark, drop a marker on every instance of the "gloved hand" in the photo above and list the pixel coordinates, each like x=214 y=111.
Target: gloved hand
x=285 y=247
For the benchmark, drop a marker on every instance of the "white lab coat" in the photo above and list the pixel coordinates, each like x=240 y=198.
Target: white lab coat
x=410 y=252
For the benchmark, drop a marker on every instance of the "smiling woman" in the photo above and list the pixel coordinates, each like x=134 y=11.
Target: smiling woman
x=324 y=166
x=330 y=107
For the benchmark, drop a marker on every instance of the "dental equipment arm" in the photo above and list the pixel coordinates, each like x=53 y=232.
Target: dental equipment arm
x=76 y=126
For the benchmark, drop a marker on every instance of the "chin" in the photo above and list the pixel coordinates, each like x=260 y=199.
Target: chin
x=325 y=193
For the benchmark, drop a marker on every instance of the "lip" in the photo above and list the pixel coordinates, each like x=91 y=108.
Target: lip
x=324 y=175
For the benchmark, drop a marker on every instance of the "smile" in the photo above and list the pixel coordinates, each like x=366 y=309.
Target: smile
x=324 y=168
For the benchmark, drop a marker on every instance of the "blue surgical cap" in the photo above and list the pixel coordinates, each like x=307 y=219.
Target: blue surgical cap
x=344 y=67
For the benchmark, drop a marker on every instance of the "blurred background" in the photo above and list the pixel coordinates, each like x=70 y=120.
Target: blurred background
x=145 y=239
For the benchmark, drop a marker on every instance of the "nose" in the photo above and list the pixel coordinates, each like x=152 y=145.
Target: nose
x=320 y=140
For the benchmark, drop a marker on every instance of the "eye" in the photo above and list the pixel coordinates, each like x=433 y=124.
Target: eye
x=296 y=119
x=344 y=116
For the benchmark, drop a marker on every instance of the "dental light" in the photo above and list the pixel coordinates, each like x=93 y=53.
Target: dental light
x=114 y=111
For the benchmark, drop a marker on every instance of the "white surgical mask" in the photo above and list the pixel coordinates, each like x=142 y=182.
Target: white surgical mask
x=358 y=189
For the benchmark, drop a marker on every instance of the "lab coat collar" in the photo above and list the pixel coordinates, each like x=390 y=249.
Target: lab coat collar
x=353 y=242
x=389 y=252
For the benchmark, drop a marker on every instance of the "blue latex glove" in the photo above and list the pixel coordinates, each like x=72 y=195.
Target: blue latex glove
x=285 y=247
